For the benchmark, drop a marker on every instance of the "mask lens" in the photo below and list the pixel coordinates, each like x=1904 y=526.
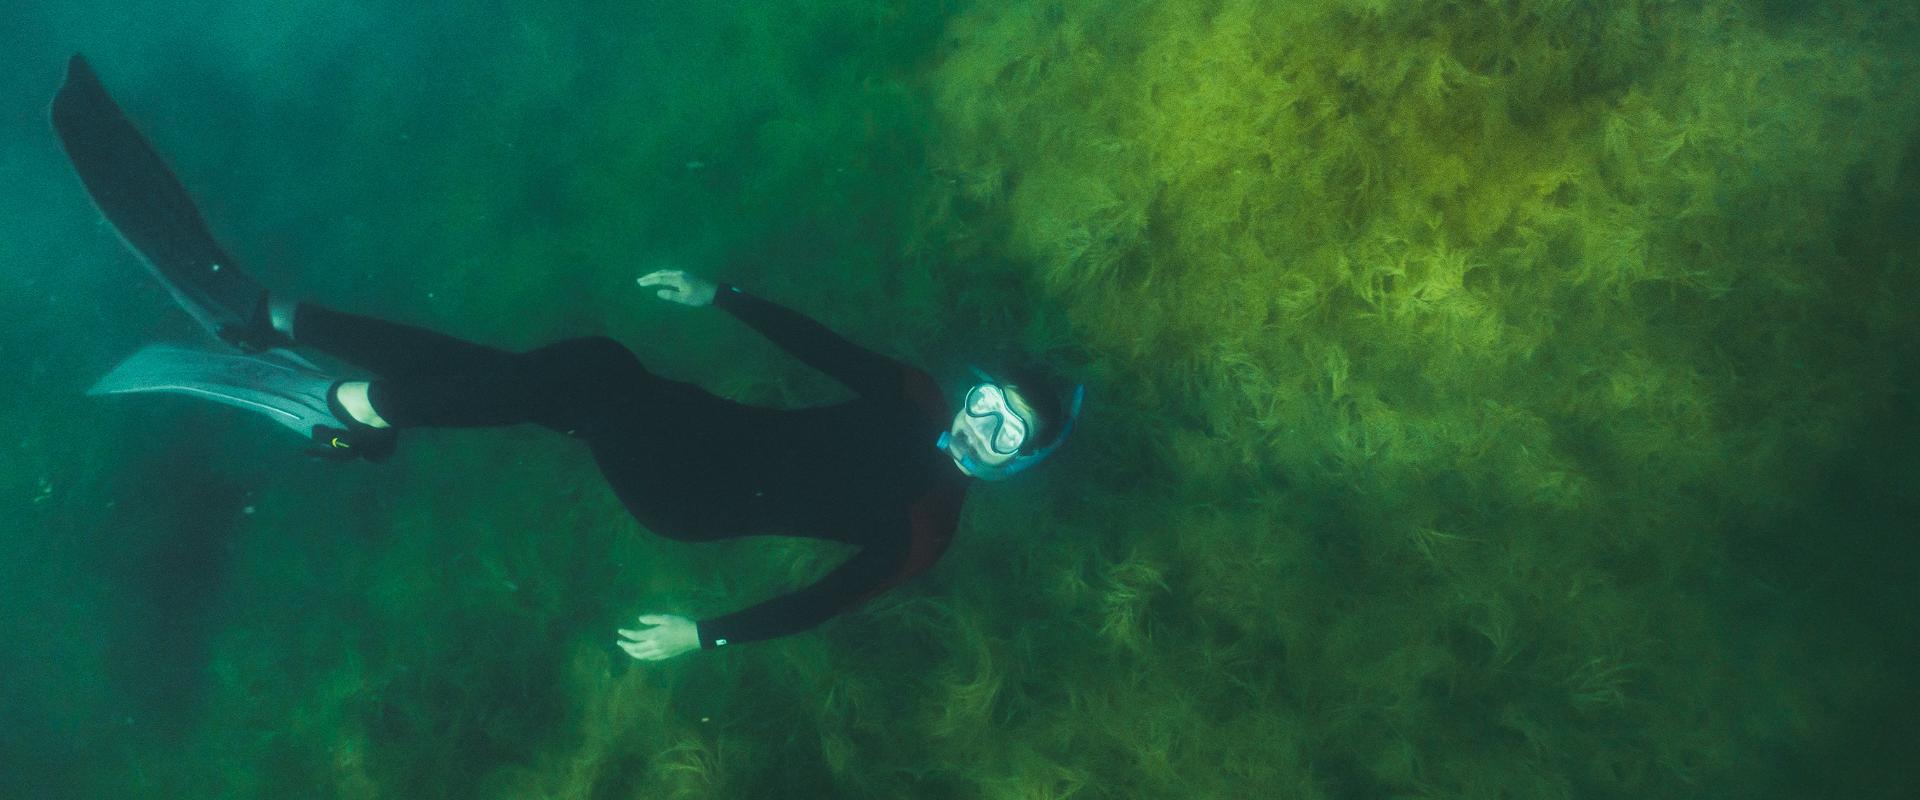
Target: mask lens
x=987 y=401
x=1012 y=432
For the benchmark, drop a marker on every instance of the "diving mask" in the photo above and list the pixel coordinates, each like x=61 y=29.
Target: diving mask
x=1002 y=429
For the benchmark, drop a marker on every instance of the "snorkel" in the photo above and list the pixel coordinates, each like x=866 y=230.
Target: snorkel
x=1019 y=463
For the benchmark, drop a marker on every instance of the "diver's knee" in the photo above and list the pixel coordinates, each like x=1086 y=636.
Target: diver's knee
x=604 y=352
x=586 y=361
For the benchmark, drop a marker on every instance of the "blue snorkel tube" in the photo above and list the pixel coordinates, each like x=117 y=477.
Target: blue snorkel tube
x=1019 y=463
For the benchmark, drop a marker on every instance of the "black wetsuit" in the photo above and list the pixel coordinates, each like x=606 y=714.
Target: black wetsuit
x=696 y=467
x=687 y=464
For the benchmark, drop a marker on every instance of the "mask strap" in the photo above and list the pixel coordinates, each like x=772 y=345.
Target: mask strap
x=1023 y=463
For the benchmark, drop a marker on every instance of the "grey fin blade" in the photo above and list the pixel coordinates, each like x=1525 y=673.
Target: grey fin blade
x=282 y=389
x=140 y=195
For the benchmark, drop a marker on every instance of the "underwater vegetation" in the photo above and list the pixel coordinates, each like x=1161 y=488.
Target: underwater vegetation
x=1487 y=399
x=1457 y=349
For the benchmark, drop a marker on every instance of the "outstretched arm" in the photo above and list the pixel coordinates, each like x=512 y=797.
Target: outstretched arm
x=856 y=367
x=845 y=587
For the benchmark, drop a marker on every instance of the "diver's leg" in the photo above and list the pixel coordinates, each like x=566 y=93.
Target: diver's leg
x=351 y=399
x=431 y=379
x=388 y=348
x=571 y=386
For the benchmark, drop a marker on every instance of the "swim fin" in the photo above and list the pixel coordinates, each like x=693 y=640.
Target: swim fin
x=136 y=191
x=285 y=390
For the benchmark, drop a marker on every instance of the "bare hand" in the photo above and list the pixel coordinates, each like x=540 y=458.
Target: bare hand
x=669 y=636
x=679 y=287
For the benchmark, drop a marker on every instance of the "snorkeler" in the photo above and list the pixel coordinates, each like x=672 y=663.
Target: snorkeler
x=886 y=471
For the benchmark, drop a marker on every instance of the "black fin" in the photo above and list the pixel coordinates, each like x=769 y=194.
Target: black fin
x=137 y=192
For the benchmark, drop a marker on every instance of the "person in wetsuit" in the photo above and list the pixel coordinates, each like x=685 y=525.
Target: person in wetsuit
x=886 y=471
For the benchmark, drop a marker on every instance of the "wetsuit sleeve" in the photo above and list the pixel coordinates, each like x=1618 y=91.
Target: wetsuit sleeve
x=855 y=367
x=843 y=588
